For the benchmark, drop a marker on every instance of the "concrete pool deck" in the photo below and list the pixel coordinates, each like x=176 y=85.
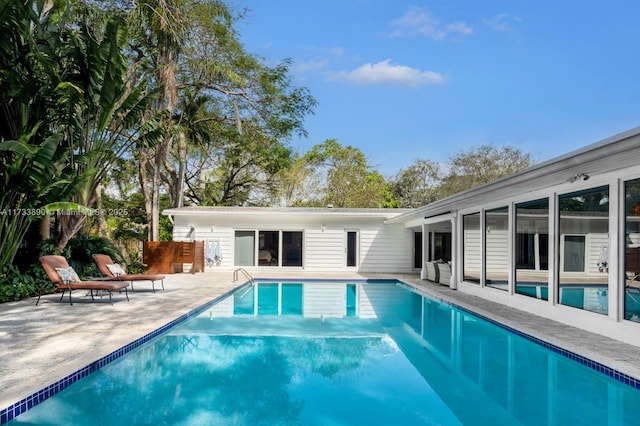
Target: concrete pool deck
x=45 y=343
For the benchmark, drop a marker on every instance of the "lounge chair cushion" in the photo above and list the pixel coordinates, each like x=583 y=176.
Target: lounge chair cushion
x=68 y=275
x=116 y=269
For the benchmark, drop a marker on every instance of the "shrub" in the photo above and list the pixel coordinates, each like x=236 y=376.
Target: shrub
x=15 y=285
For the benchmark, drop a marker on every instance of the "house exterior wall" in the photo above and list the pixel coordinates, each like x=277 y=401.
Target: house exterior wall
x=603 y=232
x=381 y=248
x=388 y=246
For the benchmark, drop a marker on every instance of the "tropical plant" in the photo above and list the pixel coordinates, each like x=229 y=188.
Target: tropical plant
x=102 y=111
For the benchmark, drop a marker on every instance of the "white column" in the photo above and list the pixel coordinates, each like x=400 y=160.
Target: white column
x=617 y=246
x=425 y=250
x=456 y=253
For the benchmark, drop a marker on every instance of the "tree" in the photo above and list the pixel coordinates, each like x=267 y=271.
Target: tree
x=480 y=165
x=298 y=185
x=228 y=115
x=418 y=184
x=349 y=180
x=100 y=111
x=35 y=167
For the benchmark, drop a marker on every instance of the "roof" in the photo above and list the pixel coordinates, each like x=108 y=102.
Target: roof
x=302 y=211
x=606 y=156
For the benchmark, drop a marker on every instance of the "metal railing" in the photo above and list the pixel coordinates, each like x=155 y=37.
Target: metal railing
x=245 y=273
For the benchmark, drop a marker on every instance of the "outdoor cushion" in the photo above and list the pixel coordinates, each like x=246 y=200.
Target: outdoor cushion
x=116 y=269
x=68 y=275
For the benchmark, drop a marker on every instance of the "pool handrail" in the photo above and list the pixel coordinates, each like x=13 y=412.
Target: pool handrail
x=245 y=273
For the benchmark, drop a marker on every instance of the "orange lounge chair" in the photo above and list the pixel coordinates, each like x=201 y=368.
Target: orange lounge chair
x=114 y=272
x=63 y=277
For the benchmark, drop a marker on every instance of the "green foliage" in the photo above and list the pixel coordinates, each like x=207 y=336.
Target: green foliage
x=480 y=165
x=15 y=285
x=417 y=185
x=80 y=250
x=135 y=265
x=349 y=180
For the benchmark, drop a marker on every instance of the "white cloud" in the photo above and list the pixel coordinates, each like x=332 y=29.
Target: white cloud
x=459 y=28
x=311 y=65
x=385 y=73
x=325 y=57
x=418 y=21
x=502 y=22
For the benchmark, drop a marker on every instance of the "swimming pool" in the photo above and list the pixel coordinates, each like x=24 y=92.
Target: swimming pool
x=327 y=352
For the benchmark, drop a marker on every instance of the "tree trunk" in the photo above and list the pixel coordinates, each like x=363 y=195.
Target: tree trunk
x=182 y=168
x=45 y=227
x=69 y=224
x=144 y=186
x=154 y=231
x=102 y=220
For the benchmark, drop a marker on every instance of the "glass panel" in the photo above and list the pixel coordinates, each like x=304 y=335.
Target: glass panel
x=351 y=300
x=574 y=248
x=352 y=239
x=471 y=247
x=442 y=246
x=268 y=250
x=584 y=241
x=532 y=248
x=632 y=244
x=417 y=250
x=496 y=229
x=244 y=254
x=291 y=299
x=268 y=299
x=291 y=248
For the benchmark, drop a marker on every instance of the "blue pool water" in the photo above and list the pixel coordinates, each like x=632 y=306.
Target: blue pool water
x=339 y=353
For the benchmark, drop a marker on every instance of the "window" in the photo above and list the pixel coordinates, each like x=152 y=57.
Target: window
x=268 y=250
x=274 y=248
x=496 y=247
x=532 y=248
x=417 y=250
x=584 y=238
x=471 y=247
x=573 y=253
x=291 y=248
x=244 y=248
x=352 y=248
x=632 y=252
x=442 y=246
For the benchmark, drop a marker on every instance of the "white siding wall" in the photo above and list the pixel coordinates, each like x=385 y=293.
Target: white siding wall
x=595 y=242
x=386 y=248
x=324 y=250
x=472 y=251
x=382 y=248
x=497 y=251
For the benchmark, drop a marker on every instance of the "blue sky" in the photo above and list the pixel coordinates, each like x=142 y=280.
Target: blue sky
x=402 y=80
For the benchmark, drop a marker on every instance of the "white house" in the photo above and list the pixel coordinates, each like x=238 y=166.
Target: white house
x=313 y=239
x=560 y=239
